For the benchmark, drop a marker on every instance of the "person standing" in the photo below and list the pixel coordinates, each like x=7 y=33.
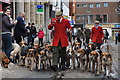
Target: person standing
x=41 y=36
x=116 y=38
x=28 y=33
x=6 y=31
x=20 y=30
x=97 y=35
x=79 y=35
x=119 y=36
x=60 y=40
x=87 y=35
x=106 y=34
x=33 y=33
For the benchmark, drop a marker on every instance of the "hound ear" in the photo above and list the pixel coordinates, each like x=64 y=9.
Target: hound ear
x=25 y=43
x=73 y=51
x=3 y=61
x=67 y=50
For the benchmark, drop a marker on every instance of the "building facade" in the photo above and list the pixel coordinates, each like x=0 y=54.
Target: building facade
x=88 y=12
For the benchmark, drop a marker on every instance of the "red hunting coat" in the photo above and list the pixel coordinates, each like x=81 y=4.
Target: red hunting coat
x=60 y=32
x=97 y=34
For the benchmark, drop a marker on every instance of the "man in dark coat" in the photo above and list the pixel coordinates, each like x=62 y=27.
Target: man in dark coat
x=33 y=33
x=20 y=30
x=29 y=33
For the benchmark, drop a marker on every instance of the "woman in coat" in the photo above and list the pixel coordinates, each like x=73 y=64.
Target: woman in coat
x=41 y=36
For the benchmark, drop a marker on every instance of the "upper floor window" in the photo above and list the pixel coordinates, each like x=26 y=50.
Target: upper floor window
x=77 y=5
x=97 y=5
x=105 y=4
x=84 y=5
x=91 y=6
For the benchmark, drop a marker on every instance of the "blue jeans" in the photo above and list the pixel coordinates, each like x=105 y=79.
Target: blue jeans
x=7 y=44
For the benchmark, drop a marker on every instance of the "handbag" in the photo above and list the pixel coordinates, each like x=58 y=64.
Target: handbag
x=33 y=36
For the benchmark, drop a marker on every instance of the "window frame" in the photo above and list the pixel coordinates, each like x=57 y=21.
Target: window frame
x=98 y=5
x=77 y=18
x=84 y=6
x=105 y=3
x=91 y=5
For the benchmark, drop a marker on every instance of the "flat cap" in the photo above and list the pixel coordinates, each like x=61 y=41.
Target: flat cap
x=58 y=13
x=97 y=22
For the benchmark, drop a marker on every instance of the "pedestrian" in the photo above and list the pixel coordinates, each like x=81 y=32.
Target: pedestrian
x=29 y=34
x=97 y=35
x=7 y=25
x=33 y=33
x=87 y=34
x=119 y=36
x=79 y=35
x=60 y=40
x=41 y=36
x=116 y=38
x=20 y=29
x=106 y=34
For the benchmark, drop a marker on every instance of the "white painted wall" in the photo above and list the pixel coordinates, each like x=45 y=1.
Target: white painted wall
x=65 y=9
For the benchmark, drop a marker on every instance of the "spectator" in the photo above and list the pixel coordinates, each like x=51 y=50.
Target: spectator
x=106 y=34
x=41 y=36
x=20 y=30
x=79 y=35
x=119 y=36
x=116 y=38
x=97 y=35
x=6 y=31
x=33 y=33
x=87 y=35
x=28 y=33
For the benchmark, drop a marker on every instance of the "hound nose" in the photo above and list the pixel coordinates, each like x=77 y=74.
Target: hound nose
x=104 y=59
x=77 y=47
x=92 y=58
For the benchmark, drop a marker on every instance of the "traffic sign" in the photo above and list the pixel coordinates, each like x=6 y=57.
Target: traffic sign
x=40 y=9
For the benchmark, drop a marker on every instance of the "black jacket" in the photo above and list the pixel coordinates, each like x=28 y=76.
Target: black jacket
x=6 y=25
x=33 y=30
x=20 y=29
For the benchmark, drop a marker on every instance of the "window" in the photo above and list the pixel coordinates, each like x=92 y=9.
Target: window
x=91 y=6
x=78 y=17
x=105 y=18
x=77 y=5
x=90 y=19
x=84 y=5
x=97 y=5
x=98 y=18
x=105 y=4
x=84 y=17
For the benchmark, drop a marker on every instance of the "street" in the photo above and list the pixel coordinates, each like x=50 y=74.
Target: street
x=15 y=71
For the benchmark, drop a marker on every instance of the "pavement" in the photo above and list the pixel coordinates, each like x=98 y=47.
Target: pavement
x=15 y=71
